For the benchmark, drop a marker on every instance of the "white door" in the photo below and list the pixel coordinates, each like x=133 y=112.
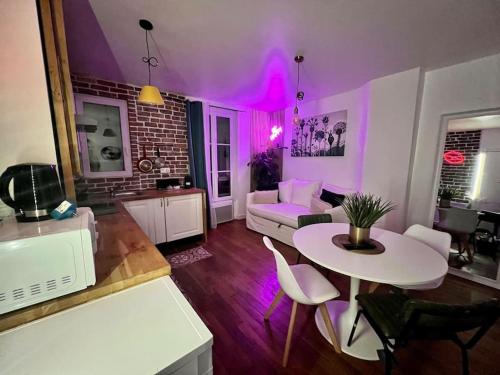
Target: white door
x=183 y=216
x=223 y=152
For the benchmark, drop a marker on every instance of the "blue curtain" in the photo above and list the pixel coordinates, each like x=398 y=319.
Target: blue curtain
x=196 y=148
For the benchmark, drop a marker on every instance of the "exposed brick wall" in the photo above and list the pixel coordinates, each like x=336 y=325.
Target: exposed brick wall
x=164 y=126
x=460 y=177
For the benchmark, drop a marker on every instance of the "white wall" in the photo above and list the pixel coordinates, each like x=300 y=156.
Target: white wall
x=339 y=171
x=490 y=140
x=380 y=124
x=243 y=170
x=471 y=86
x=389 y=138
x=25 y=122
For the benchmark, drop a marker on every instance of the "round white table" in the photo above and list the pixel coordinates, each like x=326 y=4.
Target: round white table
x=405 y=261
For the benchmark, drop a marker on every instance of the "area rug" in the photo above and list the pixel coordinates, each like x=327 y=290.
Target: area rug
x=186 y=257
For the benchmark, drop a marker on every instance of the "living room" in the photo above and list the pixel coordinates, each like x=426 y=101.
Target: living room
x=215 y=150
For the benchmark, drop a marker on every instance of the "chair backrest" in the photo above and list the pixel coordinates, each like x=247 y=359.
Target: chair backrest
x=439 y=241
x=425 y=319
x=285 y=276
x=304 y=220
x=461 y=220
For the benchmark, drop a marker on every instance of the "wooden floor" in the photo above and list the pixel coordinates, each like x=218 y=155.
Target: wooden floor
x=232 y=290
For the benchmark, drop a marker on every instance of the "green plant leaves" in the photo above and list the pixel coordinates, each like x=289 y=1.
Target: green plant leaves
x=364 y=210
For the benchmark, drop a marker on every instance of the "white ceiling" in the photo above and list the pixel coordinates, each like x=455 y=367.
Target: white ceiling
x=241 y=52
x=474 y=123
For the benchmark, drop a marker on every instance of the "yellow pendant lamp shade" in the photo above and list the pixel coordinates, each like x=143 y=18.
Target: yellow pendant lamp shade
x=150 y=95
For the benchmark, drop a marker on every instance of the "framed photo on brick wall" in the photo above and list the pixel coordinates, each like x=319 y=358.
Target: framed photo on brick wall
x=103 y=136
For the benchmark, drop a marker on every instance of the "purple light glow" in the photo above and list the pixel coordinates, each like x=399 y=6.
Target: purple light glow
x=271 y=89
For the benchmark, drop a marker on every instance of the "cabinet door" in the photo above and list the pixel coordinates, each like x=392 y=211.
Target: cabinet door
x=158 y=224
x=183 y=216
x=141 y=212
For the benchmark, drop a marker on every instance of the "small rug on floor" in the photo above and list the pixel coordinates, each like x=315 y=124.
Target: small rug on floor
x=189 y=256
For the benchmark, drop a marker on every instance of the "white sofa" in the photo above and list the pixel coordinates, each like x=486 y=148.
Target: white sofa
x=280 y=220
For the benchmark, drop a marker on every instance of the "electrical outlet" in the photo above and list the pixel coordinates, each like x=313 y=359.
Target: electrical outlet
x=165 y=170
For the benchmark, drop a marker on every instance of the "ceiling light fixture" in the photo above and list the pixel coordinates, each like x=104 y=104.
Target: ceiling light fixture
x=299 y=94
x=149 y=94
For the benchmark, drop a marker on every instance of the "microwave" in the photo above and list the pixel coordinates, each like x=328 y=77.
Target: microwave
x=47 y=259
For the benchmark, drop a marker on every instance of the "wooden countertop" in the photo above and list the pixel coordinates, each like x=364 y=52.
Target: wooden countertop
x=125 y=257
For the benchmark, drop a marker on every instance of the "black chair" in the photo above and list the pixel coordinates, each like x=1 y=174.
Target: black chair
x=304 y=220
x=397 y=319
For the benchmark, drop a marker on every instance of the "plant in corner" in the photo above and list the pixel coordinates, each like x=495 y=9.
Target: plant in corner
x=363 y=210
x=265 y=170
x=446 y=194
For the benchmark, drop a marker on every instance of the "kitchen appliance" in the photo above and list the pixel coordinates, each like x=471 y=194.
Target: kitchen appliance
x=188 y=182
x=44 y=260
x=37 y=190
x=167 y=183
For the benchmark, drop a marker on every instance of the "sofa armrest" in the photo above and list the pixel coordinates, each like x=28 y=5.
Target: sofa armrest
x=250 y=198
x=318 y=206
x=338 y=214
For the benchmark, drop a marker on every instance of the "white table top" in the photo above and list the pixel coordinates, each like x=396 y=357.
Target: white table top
x=405 y=261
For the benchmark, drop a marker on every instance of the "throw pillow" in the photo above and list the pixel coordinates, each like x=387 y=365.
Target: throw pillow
x=330 y=197
x=285 y=191
x=302 y=192
x=266 y=197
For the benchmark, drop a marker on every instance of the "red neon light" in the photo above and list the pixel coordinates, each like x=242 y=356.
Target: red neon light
x=454 y=157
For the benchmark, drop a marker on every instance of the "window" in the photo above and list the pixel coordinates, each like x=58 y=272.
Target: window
x=222 y=135
x=103 y=137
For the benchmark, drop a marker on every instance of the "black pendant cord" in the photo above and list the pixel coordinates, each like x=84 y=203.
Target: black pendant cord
x=150 y=60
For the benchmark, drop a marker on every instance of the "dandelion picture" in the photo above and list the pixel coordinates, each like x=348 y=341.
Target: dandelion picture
x=322 y=135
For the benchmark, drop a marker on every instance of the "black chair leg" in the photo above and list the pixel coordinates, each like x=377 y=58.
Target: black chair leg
x=354 y=328
x=388 y=361
x=465 y=361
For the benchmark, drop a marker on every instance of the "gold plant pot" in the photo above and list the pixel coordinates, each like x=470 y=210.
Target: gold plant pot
x=358 y=236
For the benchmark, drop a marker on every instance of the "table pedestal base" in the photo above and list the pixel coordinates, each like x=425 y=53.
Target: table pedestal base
x=365 y=342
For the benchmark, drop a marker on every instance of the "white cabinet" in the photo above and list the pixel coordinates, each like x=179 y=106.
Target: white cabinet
x=183 y=216
x=158 y=212
x=168 y=218
x=140 y=211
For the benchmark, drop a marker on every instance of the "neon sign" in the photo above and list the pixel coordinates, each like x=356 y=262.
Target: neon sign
x=454 y=157
x=275 y=132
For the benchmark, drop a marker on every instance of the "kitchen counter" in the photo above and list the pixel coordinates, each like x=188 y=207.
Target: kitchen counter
x=125 y=258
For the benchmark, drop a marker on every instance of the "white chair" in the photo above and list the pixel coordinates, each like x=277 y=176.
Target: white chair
x=436 y=240
x=303 y=284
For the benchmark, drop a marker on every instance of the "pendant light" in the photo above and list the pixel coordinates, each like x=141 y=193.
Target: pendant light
x=149 y=94
x=300 y=94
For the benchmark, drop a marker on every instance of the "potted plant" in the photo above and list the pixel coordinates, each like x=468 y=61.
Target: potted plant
x=446 y=194
x=363 y=210
x=265 y=170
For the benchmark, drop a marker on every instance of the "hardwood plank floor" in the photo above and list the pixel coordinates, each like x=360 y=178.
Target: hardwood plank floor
x=232 y=290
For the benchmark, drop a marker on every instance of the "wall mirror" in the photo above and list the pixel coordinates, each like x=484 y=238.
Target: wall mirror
x=468 y=203
x=103 y=136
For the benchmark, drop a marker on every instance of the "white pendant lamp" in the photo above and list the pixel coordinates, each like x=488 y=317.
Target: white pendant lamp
x=149 y=94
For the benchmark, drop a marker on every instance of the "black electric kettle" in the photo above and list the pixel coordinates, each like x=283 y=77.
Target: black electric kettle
x=37 y=190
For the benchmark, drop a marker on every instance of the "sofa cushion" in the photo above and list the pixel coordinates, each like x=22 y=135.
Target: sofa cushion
x=269 y=196
x=285 y=190
x=283 y=213
x=333 y=198
x=303 y=191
